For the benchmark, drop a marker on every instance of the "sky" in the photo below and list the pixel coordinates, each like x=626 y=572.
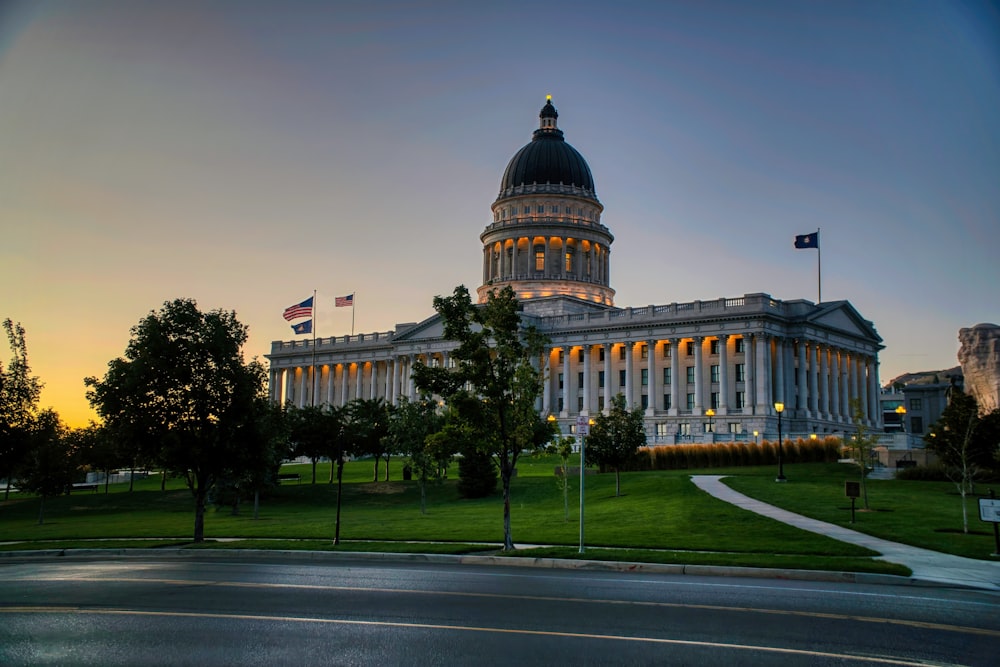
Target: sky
x=245 y=153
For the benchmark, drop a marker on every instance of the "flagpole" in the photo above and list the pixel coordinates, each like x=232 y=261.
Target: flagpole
x=819 y=270
x=354 y=303
x=312 y=394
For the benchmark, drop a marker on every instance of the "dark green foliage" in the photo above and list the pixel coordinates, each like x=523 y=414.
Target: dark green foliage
x=414 y=432
x=477 y=474
x=19 y=393
x=50 y=465
x=616 y=437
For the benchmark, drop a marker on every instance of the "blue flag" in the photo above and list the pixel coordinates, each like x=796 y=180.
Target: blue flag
x=807 y=241
x=303 y=327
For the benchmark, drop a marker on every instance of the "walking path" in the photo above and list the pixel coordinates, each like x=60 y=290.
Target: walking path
x=927 y=565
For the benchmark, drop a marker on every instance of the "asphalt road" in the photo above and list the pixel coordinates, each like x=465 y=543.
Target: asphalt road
x=200 y=611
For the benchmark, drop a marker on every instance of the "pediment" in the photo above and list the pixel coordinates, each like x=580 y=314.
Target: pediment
x=431 y=328
x=842 y=316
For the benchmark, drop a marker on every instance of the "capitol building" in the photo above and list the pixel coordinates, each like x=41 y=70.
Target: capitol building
x=700 y=371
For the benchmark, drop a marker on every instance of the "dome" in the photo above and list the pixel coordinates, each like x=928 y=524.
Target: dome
x=548 y=159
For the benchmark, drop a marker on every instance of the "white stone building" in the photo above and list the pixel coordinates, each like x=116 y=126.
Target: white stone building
x=700 y=370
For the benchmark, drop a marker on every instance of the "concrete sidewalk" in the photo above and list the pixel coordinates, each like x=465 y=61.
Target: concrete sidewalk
x=930 y=566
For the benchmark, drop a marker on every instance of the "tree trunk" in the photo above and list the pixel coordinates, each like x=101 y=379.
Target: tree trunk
x=163 y=480
x=314 y=470
x=387 y=468
x=199 y=514
x=236 y=504
x=41 y=510
x=618 y=483
x=508 y=540
x=377 y=459
x=256 y=503
x=131 y=477
x=340 y=489
x=6 y=493
x=107 y=480
x=423 y=496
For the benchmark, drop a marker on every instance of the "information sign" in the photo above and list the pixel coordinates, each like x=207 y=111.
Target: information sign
x=989 y=510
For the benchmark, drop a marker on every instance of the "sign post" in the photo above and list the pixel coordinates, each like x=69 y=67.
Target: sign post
x=989 y=510
x=852 y=490
x=582 y=430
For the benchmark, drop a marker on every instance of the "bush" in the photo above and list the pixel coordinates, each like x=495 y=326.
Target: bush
x=477 y=474
x=736 y=454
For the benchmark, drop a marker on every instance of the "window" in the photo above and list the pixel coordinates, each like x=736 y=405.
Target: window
x=600 y=353
x=621 y=378
x=684 y=429
x=666 y=401
x=541 y=208
x=666 y=349
x=644 y=403
x=916 y=424
x=690 y=401
x=527 y=210
x=569 y=261
x=666 y=377
x=735 y=427
x=690 y=348
x=741 y=398
x=714 y=400
x=740 y=345
x=539 y=258
x=560 y=380
x=661 y=429
x=579 y=380
x=600 y=378
x=560 y=404
x=621 y=352
x=741 y=372
x=553 y=209
x=714 y=370
x=579 y=355
x=568 y=210
x=644 y=351
x=713 y=346
x=916 y=404
x=644 y=377
x=579 y=403
x=562 y=355
x=690 y=374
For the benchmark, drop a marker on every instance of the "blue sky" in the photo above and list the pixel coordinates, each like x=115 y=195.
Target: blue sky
x=246 y=153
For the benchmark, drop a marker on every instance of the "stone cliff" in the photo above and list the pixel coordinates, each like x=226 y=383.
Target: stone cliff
x=979 y=356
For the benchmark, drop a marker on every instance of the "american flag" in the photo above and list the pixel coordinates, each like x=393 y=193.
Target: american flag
x=304 y=309
x=342 y=301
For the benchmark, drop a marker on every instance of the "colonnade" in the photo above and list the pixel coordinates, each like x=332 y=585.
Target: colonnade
x=517 y=259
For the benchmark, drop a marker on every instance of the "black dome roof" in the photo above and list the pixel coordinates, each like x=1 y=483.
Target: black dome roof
x=548 y=159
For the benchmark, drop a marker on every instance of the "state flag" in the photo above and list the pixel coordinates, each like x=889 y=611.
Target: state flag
x=807 y=241
x=303 y=327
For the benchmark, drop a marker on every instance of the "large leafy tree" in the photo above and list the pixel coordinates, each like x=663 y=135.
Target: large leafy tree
x=185 y=391
x=616 y=437
x=965 y=442
x=369 y=426
x=310 y=433
x=19 y=394
x=495 y=367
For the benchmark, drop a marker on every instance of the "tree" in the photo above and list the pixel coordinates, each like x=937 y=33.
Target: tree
x=265 y=445
x=19 y=394
x=413 y=427
x=369 y=424
x=497 y=359
x=965 y=443
x=50 y=464
x=616 y=437
x=861 y=445
x=564 y=449
x=184 y=390
x=309 y=433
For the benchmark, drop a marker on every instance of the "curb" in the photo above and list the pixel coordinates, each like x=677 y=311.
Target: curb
x=503 y=561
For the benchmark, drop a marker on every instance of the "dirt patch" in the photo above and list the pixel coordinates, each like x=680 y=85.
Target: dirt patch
x=382 y=488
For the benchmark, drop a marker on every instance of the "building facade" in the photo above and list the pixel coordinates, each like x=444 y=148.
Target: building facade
x=700 y=370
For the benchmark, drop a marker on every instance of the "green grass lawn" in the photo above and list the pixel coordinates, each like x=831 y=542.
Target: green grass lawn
x=661 y=517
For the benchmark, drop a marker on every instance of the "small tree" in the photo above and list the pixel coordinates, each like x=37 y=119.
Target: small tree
x=564 y=449
x=50 y=465
x=369 y=424
x=413 y=427
x=616 y=437
x=309 y=435
x=860 y=446
x=965 y=443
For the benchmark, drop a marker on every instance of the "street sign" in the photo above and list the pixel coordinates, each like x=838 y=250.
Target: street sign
x=582 y=425
x=989 y=510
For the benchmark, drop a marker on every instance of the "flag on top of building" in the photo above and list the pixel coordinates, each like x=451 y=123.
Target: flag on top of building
x=807 y=241
x=303 y=327
x=304 y=309
x=342 y=301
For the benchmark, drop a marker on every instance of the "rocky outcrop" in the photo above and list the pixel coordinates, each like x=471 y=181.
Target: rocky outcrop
x=979 y=355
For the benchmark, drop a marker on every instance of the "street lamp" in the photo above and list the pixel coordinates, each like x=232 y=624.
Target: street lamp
x=779 y=408
x=710 y=413
x=901 y=411
x=755 y=434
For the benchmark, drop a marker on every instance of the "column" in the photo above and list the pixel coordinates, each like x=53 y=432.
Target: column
x=675 y=377
x=331 y=371
x=803 y=388
x=845 y=385
x=698 y=376
x=873 y=393
x=651 y=374
x=289 y=385
x=779 y=371
x=562 y=258
x=546 y=262
x=547 y=382
x=863 y=388
x=628 y=373
x=315 y=384
x=373 y=381
x=606 y=405
x=411 y=387
x=723 y=374
x=586 y=380
x=763 y=369
x=749 y=375
x=836 y=411
x=397 y=365
x=345 y=371
x=272 y=381
x=566 y=351
x=513 y=270
x=304 y=387
x=824 y=383
x=813 y=379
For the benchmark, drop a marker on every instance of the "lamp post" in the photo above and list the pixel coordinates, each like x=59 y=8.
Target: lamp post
x=710 y=413
x=779 y=408
x=755 y=434
x=583 y=430
x=901 y=411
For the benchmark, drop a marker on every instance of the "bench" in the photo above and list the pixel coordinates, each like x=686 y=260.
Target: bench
x=84 y=486
x=289 y=477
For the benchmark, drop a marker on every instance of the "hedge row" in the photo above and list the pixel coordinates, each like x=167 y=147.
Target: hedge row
x=733 y=454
